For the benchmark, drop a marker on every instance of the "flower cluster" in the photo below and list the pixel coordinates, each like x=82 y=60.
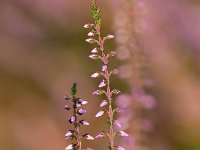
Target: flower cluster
x=77 y=111
x=98 y=53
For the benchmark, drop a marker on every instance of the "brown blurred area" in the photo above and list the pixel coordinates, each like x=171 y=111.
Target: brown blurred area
x=43 y=51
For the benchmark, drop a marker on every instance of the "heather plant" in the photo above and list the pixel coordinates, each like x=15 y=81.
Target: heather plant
x=76 y=110
x=107 y=105
x=135 y=70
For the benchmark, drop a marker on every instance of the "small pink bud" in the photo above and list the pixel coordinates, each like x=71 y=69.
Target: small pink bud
x=102 y=84
x=104 y=68
x=85 y=123
x=115 y=71
x=103 y=103
x=88 y=137
x=120 y=148
x=90 y=34
x=99 y=136
x=69 y=147
x=94 y=56
x=95 y=50
x=90 y=40
x=99 y=114
x=112 y=53
x=116 y=91
x=109 y=36
x=82 y=102
x=117 y=124
x=68 y=134
x=88 y=25
x=122 y=133
x=67 y=107
x=72 y=119
x=95 y=75
x=81 y=111
x=98 y=92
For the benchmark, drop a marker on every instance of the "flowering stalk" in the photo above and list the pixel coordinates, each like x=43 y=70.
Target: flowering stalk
x=99 y=53
x=76 y=112
x=138 y=104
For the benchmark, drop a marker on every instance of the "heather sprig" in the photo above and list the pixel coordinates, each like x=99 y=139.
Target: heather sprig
x=98 y=53
x=76 y=110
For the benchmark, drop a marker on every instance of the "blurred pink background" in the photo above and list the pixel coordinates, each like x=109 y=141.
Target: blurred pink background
x=43 y=51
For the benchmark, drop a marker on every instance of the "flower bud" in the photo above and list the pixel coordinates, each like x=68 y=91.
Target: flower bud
x=85 y=123
x=103 y=103
x=122 y=133
x=88 y=137
x=120 y=148
x=98 y=92
x=88 y=25
x=102 y=84
x=95 y=50
x=91 y=34
x=104 y=68
x=95 y=75
x=67 y=107
x=115 y=71
x=72 y=119
x=117 y=124
x=81 y=111
x=70 y=147
x=116 y=91
x=94 y=56
x=99 y=114
x=66 y=97
x=90 y=40
x=109 y=36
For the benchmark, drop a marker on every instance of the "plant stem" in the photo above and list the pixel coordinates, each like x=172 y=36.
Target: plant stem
x=108 y=91
x=76 y=125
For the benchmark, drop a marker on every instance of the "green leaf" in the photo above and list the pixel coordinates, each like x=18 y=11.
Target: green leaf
x=73 y=89
x=95 y=11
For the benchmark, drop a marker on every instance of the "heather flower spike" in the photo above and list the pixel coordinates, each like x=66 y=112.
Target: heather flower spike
x=100 y=54
x=75 y=134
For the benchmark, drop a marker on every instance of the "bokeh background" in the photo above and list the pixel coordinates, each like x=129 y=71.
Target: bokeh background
x=43 y=51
